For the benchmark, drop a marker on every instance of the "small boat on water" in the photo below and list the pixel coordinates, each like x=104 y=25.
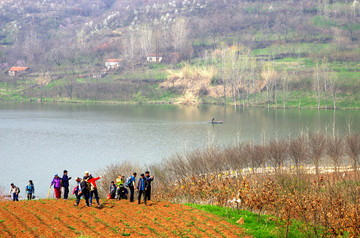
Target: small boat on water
x=215 y=122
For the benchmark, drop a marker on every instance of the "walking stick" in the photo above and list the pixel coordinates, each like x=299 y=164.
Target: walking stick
x=48 y=193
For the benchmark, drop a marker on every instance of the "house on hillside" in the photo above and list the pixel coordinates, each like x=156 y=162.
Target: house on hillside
x=112 y=63
x=152 y=57
x=17 y=70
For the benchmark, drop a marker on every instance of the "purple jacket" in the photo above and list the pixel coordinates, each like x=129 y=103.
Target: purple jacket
x=56 y=182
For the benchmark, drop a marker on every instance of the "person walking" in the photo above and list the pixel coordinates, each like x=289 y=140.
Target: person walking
x=149 y=179
x=30 y=190
x=65 y=183
x=132 y=186
x=120 y=184
x=142 y=187
x=94 y=191
x=14 y=192
x=57 y=185
x=83 y=190
x=112 y=190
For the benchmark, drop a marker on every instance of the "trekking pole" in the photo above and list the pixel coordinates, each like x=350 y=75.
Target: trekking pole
x=48 y=193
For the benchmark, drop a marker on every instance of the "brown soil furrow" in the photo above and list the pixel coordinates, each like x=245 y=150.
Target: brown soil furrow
x=69 y=220
x=4 y=231
x=51 y=220
x=222 y=227
x=56 y=218
x=14 y=224
x=185 y=224
x=214 y=227
x=34 y=221
x=132 y=213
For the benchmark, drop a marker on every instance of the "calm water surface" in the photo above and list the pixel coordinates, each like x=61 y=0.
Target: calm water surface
x=39 y=140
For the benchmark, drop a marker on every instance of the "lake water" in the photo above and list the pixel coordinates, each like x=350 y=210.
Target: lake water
x=39 y=140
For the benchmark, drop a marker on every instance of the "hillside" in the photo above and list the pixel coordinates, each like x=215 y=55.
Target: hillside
x=51 y=218
x=254 y=53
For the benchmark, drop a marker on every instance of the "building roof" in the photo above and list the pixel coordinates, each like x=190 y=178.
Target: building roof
x=17 y=68
x=113 y=60
x=154 y=55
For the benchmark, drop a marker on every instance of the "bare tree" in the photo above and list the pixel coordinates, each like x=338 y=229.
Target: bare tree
x=269 y=75
x=285 y=86
x=179 y=34
x=255 y=155
x=334 y=150
x=298 y=152
x=317 y=146
x=353 y=148
x=276 y=151
x=333 y=87
x=145 y=38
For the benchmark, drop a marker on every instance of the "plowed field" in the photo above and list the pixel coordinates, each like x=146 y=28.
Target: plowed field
x=52 y=218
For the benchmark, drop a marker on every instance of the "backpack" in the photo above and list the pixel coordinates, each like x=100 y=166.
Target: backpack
x=128 y=182
x=87 y=184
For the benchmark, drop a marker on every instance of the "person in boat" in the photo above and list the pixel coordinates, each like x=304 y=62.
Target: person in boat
x=213 y=120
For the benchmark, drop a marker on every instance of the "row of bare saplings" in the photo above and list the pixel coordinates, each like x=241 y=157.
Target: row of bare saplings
x=324 y=203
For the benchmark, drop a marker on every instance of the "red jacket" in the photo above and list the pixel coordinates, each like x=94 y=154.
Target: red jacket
x=92 y=181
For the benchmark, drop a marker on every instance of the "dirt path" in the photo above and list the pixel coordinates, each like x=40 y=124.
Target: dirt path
x=52 y=218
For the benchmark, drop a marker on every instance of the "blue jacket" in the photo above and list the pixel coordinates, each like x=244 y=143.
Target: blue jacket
x=65 y=181
x=145 y=185
x=30 y=188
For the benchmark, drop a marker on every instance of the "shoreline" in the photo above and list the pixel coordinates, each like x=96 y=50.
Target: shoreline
x=93 y=102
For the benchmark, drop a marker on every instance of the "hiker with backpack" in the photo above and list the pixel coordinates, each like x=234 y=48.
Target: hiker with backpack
x=149 y=179
x=30 y=190
x=142 y=187
x=130 y=182
x=112 y=190
x=57 y=186
x=14 y=192
x=84 y=188
x=120 y=184
x=65 y=183
x=94 y=191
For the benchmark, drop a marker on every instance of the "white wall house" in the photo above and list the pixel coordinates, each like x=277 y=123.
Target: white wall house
x=154 y=58
x=15 y=70
x=112 y=63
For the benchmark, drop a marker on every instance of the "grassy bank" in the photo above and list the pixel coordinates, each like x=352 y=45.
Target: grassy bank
x=267 y=227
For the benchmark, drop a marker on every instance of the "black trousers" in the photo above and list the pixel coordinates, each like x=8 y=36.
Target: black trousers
x=131 y=193
x=148 y=193
x=142 y=192
x=86 y=195
x=66 y=192
x=29 y=196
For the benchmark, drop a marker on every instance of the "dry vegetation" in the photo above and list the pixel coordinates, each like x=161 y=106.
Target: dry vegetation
x=312 y=179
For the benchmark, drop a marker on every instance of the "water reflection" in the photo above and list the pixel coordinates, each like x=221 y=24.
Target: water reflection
x=38 y=140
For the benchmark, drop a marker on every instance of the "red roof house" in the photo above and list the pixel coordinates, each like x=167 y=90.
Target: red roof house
x=17 y=70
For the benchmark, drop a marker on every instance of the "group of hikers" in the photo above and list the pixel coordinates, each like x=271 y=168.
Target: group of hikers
x=86 y=188
x=15 y=190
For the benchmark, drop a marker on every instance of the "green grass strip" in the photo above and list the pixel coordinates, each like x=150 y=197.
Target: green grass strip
x=267 y=227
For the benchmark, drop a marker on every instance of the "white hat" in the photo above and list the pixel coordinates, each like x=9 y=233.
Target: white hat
x=86 y=172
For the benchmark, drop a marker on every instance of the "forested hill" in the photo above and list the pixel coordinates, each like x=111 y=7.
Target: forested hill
x=233 y=50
